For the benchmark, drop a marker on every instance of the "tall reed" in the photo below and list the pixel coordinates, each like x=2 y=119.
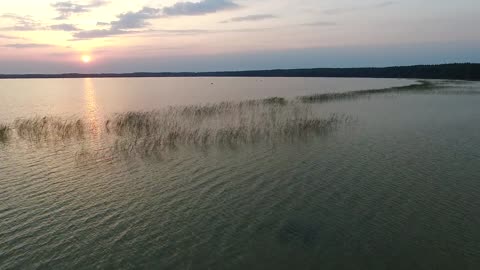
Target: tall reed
x=49 y=128
x=4 y=132
x=226 y=123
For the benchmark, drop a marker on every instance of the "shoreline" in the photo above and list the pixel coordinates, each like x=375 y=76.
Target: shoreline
x=467 y=72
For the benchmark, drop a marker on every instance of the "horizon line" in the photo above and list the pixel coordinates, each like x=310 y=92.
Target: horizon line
x=279 y=72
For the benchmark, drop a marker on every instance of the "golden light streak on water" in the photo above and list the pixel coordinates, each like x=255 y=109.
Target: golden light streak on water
x=92 y=116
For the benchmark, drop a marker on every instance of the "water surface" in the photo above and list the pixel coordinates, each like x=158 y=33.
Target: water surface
x=24 y=98
x=395 y=189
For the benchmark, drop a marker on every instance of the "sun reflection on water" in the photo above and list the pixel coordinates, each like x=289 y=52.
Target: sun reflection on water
x=92 y=117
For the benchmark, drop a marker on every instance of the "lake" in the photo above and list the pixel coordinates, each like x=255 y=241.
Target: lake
x=216 y=173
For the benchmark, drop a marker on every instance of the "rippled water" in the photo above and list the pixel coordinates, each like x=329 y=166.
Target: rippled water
x=395 y=189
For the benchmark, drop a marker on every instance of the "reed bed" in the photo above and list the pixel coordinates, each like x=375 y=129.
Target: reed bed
x=49 y=128
x=224 y=123
x=217 y=124
x=328 y=97
x=206 y=110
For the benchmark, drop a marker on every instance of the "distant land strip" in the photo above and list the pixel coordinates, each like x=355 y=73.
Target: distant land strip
x=457 y=71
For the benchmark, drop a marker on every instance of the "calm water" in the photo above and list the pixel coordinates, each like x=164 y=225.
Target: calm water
x=24 y=98
x=398 y=188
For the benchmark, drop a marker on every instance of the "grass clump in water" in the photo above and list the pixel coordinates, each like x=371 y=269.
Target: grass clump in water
x=4 y=132
x=321 y=98
x=225 y=123
x=49 y=128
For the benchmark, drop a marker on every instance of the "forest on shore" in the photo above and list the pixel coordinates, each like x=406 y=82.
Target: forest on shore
x=463 y=71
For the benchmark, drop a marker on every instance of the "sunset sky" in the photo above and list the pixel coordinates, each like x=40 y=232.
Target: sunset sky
x=44 y=36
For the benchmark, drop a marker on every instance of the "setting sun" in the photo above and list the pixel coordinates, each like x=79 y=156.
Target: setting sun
x=86 y=59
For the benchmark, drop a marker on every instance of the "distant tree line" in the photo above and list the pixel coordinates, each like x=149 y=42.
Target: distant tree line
x=457 y=71
x=447 y=71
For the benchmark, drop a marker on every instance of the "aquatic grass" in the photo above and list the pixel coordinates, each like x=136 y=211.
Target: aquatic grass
x=49 y=128
x=224 y=124
x=232 y=124
x=328 y=97
x=227 y=123
x=205 y=110
x=145 y=123
x=4 y=133
x=457 y=92
x=456 y=82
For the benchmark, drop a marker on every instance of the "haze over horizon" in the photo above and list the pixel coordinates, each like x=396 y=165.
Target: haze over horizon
x=214 y=35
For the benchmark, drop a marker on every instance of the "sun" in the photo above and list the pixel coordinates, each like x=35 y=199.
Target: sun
x=86 y=59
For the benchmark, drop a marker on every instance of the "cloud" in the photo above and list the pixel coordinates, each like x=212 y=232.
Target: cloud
x=21 y=23
x=199 y=8
x=27 y=23
x=8 y=37
x=103 y=24
x=384 y=4
x=133 y=20
x=180 y=32
x=249 y=18
x=336 y=11
x=68 y=8
x=26 y=45
x=65 y=27
x=91 y=34
x=126 y=21
x=320 y=23
x=184 y=31
x=139 y=19
x=103 y=33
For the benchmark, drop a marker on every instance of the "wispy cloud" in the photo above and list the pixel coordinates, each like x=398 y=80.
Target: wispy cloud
x=21 y=23
x=68 y=8
x=103 y=24
x=103 y=33
x=135 y=20
x=27 y=45
x=27 y=23
x=207 y=31
x=250 y=18
x=92 y=34
x=183 y=31
x=122 y=26
x=199 y=8
x=337 y=11
x=99 y=33
x=65 y=27
x=8 y=37
x=319 y=23
x=132 y=22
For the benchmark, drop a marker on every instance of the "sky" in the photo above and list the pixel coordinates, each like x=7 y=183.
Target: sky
x=48 y=36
